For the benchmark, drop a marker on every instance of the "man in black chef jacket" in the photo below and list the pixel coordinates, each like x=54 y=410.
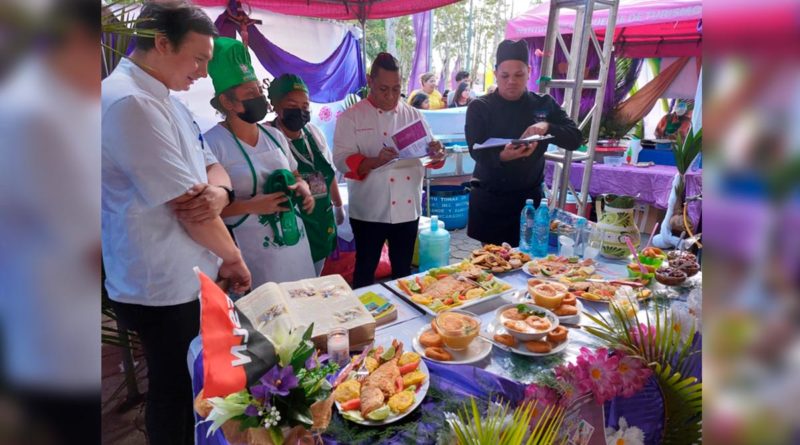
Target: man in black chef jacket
x=504 y=178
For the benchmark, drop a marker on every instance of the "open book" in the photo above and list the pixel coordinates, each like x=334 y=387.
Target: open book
x=327 y=301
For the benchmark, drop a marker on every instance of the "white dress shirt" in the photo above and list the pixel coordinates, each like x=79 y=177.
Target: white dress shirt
x=152 y=152
x=388 y=194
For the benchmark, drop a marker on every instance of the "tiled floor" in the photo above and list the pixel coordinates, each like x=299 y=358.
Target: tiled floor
x=461 y=245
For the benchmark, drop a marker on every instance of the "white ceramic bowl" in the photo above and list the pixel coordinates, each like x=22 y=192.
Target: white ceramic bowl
x=527 y=336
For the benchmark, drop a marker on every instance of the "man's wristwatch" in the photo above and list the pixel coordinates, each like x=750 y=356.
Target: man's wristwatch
x=231 y=194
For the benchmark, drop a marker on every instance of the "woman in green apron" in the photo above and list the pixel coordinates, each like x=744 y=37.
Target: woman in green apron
x=289 y=97
x=269 y=195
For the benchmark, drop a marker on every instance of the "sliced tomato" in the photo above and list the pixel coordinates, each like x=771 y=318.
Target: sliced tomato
x=351 y=405
x=398 y=383
x=489 y=277
x=442 y=275
x=420 y=283
x=408 y=367
x=462 y=297
x=448 y=301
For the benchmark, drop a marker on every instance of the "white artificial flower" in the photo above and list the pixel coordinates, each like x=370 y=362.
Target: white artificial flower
x=683 y=321
x=284 y=339
x=626 y=435
x=226 y=409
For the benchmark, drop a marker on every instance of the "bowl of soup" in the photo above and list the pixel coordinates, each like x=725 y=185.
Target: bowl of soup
x=548 y=295
x=526 y=322
x=457 y=328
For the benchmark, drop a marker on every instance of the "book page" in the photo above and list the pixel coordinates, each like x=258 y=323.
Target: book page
x=328 y=302
x=264 y=305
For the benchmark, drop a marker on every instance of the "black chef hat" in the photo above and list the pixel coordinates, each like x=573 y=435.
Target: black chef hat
x=512 y=50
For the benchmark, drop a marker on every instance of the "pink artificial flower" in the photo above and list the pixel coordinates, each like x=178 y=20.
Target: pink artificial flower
x=599 y=374
x=633 y=375
x=642 y=332
x=546 y=396
x=325 y=114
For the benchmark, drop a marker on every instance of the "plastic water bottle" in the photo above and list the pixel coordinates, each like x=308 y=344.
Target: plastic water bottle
x=526 y=226
x=434 y=246
x=541 y=231
x=581 y=236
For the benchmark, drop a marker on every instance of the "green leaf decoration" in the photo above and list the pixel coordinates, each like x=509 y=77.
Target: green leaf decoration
x=492 y=428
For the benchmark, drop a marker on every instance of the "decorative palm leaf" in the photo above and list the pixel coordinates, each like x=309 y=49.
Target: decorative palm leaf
x=685 y=151
x=118 y=23
x=471 y=428
x=658 y=341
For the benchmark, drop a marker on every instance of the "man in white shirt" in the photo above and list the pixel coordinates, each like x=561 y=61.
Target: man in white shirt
x=384 y=203
x=153 y=160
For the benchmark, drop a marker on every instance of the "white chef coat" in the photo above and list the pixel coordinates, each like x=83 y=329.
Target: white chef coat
x=390 y=194
x=151 y=153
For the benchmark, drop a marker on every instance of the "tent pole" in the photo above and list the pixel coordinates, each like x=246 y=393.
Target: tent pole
x=364 y=42
x=469 y=38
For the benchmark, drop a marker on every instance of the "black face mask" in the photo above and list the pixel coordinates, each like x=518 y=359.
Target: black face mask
x=254 y=109
x=295 y=119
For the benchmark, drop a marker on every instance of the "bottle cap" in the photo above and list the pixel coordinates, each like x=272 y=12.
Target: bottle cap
x=529 y=202
x=434 y=223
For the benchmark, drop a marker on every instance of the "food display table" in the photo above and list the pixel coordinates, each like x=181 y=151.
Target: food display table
x=501 y=373
x=652 y=184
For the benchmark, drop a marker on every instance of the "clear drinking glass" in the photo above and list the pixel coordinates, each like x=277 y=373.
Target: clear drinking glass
x=339 y=346
x=594 y=243
x=566 y=240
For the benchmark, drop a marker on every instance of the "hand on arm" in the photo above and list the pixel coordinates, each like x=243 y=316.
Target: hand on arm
x=201 y=203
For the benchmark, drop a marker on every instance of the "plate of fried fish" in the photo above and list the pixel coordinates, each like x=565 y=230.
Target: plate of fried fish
x=381 y=386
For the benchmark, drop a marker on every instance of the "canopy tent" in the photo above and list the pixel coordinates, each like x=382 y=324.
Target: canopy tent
x=360 y=10
x=645 y=28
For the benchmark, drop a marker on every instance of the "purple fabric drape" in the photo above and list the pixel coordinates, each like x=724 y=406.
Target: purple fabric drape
x=331 y=80
x=592 y=65
x=421 y=22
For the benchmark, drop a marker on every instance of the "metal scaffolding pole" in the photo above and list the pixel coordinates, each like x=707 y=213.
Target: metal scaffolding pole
x=583 y=36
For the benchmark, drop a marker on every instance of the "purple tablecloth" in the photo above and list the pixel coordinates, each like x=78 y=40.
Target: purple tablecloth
x=653 y=184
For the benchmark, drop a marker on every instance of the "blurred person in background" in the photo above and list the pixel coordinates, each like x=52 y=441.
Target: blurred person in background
x=461 y=77
x=50 y=228
x=429 y=81
x=461 y=98
x=676 y=122
x=160 y=215
x=289 y=97
x=251 y=153
x=421 y=101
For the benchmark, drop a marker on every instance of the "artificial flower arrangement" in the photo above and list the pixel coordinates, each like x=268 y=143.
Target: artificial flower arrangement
x=295 y=393
x=602 y=373
x=666 y=343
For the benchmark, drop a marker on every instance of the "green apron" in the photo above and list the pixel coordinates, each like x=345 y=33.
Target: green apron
x=317 y=172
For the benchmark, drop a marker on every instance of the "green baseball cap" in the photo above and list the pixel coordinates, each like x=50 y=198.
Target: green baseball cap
x=283 y=85
x=230 y=66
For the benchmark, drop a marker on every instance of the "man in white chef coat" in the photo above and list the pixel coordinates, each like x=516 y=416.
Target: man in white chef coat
x=153 y=166
x=384 y=200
